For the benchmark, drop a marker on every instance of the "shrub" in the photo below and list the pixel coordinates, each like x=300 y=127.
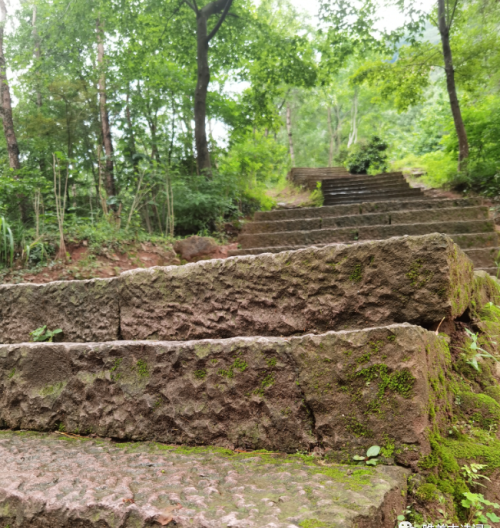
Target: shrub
x=371 y=157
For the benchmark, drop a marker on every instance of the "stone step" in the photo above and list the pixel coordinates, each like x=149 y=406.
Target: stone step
x=476 y=240
x=483 y=257
x=367 y=184
x=280 y=394
x=356 y=191
x=413 y=194
x=47 y=482
x=363 y=208
x=361 y=233
x=336 y=186
x=466 y=242
x=406 y=280
x=389 y=218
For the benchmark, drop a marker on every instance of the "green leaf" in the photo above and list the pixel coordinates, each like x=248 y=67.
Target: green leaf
x=401 y=517
x=358 y=457
x=493 y=517
x=373 y=451
x=372 y=462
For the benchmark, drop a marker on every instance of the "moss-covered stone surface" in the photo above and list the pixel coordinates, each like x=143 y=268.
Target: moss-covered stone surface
x=48 y=482
x=341 y=392
x=418 y=280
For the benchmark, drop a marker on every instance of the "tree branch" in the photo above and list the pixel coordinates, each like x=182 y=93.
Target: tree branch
x=453 y=14
x=220 y=21
x=194 y=7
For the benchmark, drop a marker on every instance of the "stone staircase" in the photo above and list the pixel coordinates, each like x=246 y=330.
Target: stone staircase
x=169 y=382
x=356 y=189
x=466 y=221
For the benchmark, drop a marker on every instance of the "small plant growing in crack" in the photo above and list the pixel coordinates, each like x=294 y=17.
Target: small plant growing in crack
x=371 y=456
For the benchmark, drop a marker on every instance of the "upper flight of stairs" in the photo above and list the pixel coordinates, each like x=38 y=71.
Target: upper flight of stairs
x=355 y=189
x=362 y=208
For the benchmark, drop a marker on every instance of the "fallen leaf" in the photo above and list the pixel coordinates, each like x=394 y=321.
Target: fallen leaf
x=170 y=509
x=130 y=501
x=164 y=520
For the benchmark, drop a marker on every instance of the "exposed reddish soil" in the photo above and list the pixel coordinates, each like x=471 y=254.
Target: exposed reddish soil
x=83 y=264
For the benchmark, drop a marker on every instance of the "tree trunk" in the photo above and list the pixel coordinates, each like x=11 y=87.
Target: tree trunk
x=200 y=96
x=444 y=30
x=106 y=129
x=5 y=99
x=353 y=136
x=330 y=132
x=131 y=136
x=289 y=131
x=7 y=117
x=37 y=53
x=338 y=133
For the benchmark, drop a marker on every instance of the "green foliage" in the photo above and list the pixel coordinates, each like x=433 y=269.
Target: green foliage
x=473 y=352
x=42 y=334
x=480 y=508
x=371 y=456
x=370 y=157
x=6 y=243
x=471 y=474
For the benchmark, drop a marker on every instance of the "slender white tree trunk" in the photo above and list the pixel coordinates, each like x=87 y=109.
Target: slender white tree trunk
x=289 y=130
x=332 y=139
x=353 y=136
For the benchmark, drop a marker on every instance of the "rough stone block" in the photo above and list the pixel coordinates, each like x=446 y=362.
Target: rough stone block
x=344 y=391
x=409 y=279
x=84 y=310
x=355 y=233
x=363 y=208
x=46 y=482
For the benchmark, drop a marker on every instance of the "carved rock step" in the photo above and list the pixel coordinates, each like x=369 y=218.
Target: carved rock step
x=411 y=194
x=283 y=394
x=361 y=233
x=482 y=257
x=370 y=188
x=48 y=482
x=409 y=279
x=386 y=218
x=363 y=180
x=363 y=208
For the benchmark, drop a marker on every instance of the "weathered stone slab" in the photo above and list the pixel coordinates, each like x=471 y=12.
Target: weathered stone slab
x=372 y=219
x=363 y=208
x=355 y=233
x=85 y=310
x=46 y=482
x=483 y=257
x=343 y=391
x=410 y=279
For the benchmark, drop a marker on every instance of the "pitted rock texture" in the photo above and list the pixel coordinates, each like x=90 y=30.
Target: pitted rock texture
x=343 y=391
x=363 y=208
x=409 y=279
x=365 y=232
x=84 y=310
x=49 y=483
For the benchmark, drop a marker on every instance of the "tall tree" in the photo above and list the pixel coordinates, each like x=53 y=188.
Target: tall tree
x=203 y=39
x=105 y=126
x=446 y=14
x=5 y=98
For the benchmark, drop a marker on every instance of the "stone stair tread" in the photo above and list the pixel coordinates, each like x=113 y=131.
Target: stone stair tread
x=47 y=481
x=177 y=392
x=475 y=238
x=363 y=208
x=342 y=191
x=394 y=217
x=245 y=296
x=361 y=233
